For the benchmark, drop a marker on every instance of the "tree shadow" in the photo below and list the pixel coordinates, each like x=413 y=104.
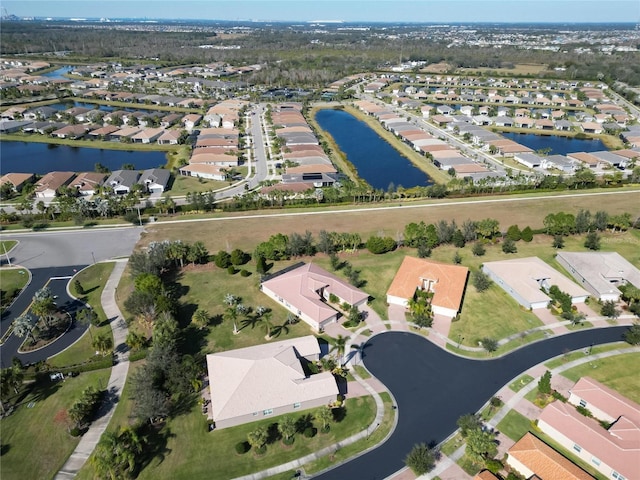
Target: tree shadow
x=4 y=449
x=185 y=313
x=273 y=435
x=339 y=414
x=279 y=330
x=250 y=321
x=193 y=340
x=216 y=320
x=155 y=446
x=304 y=422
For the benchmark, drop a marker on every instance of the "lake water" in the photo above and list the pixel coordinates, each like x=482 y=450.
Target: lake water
x=377 y=162
x=558 y=145
x=41 y=158
x=59 y=73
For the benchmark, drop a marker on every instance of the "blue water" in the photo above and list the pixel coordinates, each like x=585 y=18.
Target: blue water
x=41 y=158
x=375 y=160
x=105 y=108
x=59 y=73
x=558 y=145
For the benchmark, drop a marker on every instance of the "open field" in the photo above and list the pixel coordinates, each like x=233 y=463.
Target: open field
x=615 y=372
x=246 y=229
x=34 y=443
x=518 y=69
x=93 y=280
x=183 y=185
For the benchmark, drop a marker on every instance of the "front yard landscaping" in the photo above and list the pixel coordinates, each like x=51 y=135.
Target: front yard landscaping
x=514 y=425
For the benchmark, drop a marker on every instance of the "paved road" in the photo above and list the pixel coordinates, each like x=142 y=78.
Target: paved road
x=78 y=247
x=58 y=286
x=434 y=388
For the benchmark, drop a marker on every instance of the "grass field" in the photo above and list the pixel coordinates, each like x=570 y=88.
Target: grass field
x=245 y=233
x=34 y=445
x=514 y=425
x=93 y=280
x=7 y=245
x=13 y=280
x=518 y=69
x=183 y=185
x=616 y=372
x=520 y=382
x=194 y=452
x=570 y=356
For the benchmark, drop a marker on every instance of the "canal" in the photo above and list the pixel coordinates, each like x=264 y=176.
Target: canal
x=41 y=158
x=377 y=162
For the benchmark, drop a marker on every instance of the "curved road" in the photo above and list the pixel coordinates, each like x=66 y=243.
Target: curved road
x=433 y=388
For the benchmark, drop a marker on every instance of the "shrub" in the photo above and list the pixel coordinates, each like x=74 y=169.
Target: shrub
x=222 y=259
x=242 y=448
x=75 y=432
x=478 y=249
x=558 y=396
x=333 y=298
x=310 y=432
x=245 y=273
x=514 y=233
x=527 y=234
x=584 y=411
x=481 y=281
x=231 y=270
x=493 y=465
x=378 y=245
x=421 y=459
x=509 y=246
x=79 y=288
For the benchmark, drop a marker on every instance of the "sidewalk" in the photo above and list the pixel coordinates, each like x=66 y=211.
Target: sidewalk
x=116 y=383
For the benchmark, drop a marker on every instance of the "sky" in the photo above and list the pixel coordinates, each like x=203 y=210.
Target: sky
x=439 y=11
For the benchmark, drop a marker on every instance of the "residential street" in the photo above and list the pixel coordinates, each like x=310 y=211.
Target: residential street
x=433 y=388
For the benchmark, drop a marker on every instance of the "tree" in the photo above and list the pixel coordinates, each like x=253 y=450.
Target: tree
x=88 y=316
x=487 y=228
x=232 y=315
x=527 y=234
x=558 y=241
x=632 y=335
x=489 y=344
x=135 y=341
x=115 y=454
x=544 y=384
x=514 y=233
x=421 y=459
x=197 y=253
x=268 y=325
x=324 y=416
x=103 y=343
x=478 y=249
x=43 y=305
x=481 y=280
x=287 y=428
x=378 y=245
x=258 y=438
x=200 y=318
x=468 y=422
x=10 y=380
x=592 y=241
x=609 y=310
x=457 y=258
x=481 y=445
x=601 y=220
x=261 y=265
x=583 y=221
x=339 y=344
x=166 y=330
x=509 y=246
x=23 y=326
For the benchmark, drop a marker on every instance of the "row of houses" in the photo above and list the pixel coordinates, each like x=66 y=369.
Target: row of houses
x=609 y=442
x=217 y=148
x=154 y=180
x=442 y=154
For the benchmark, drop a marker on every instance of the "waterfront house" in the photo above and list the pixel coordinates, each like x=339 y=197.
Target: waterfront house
x=17 y=180
x=86 y=183
x=48 y=185
x=122 y=181
x=155 y=180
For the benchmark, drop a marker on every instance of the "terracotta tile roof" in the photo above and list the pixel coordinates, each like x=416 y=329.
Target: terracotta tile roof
x=544 y=461
x=449 y=286
x=618 y=447
x=485 y=475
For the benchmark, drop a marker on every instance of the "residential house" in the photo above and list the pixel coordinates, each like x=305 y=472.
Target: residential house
x=169 y=137
x=600 y=272
x=71 y=131
x=527 y=280
x=86 y=183
x=17 y=180
x=155 y=180
x=208 y=171
x=612 y=451
x=147 y=135
x=534 y=459
x=249 y=384
x=122 y=181
x=446 y=282
x=306 y=291
x=48 y=185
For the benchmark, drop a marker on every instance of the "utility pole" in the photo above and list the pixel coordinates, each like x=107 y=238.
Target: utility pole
x=4 y=246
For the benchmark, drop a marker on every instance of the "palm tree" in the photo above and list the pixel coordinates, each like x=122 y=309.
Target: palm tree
x=88 y=316
x=103 y=343
x=115 y=455
x=200 y=318
x=324 y=416
x=232 y=314
x=287 y=428
x=23 y=326
x=258 y=438
x=268 y=325
x=43 y=305
x=339 y=345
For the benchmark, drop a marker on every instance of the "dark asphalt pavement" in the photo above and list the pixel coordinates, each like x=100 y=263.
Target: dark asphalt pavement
x=39 y=279
x=433 y=389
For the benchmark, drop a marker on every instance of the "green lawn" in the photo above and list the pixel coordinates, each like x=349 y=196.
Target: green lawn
x=12 y=281
x=183 y=185
x=616 y=372
x=7 y=245
x=34 y=444
x=514 y=425
x=570 y=356
x=193 y=452
x=521 y=382
x=93 y=280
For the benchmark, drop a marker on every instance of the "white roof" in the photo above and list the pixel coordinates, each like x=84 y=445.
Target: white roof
x=269 y=376
x=602 y=268
x=526 y=275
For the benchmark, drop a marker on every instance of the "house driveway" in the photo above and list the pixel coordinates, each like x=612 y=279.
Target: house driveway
x=546 y=317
